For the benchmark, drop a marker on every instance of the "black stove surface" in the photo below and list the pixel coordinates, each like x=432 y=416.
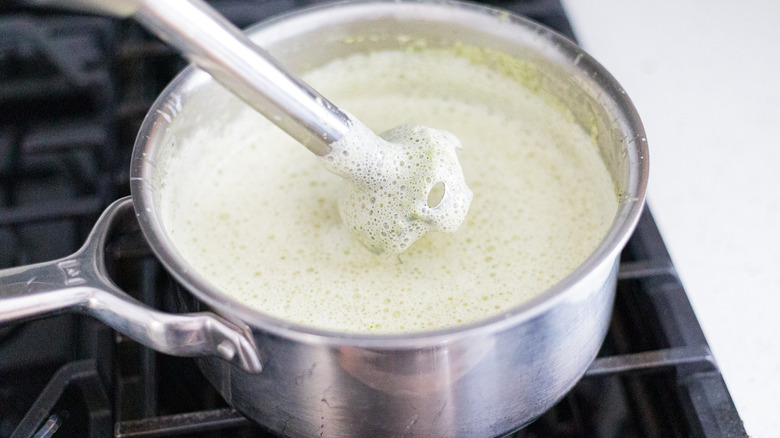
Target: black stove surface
x=73 y=92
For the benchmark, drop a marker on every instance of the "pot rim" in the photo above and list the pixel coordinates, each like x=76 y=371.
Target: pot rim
x=629 y=209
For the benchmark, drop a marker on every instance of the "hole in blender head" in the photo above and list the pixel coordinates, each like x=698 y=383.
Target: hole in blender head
x=436 y=195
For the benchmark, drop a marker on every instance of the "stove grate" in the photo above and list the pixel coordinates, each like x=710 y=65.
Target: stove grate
x=48 y=409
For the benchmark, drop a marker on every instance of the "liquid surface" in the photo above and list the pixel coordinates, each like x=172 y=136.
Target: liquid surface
x=257 y=215
x=399 y=185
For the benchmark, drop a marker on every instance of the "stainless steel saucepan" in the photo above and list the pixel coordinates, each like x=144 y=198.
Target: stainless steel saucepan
x=482 y=379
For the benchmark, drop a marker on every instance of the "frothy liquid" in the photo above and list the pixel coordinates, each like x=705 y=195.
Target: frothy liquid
x=399 y=186
x=257 y=214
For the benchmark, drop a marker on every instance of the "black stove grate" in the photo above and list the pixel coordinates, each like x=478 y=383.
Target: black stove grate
x=73 y=92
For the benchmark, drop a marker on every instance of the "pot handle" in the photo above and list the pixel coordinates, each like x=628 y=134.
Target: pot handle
x=80 y=283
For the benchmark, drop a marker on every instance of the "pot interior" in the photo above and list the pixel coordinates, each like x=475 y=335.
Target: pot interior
x=541 y=60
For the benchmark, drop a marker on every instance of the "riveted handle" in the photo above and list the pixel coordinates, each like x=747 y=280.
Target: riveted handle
x=80 y=283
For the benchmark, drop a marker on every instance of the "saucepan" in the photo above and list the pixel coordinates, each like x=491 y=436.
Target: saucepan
x=485 y=378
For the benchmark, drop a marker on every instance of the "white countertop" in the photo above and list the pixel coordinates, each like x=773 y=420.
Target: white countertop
x=705 y=78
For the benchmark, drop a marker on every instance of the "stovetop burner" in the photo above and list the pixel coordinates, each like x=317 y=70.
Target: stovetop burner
x=73 y=91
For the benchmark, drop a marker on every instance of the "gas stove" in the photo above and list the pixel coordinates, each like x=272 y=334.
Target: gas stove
x=73 y=92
